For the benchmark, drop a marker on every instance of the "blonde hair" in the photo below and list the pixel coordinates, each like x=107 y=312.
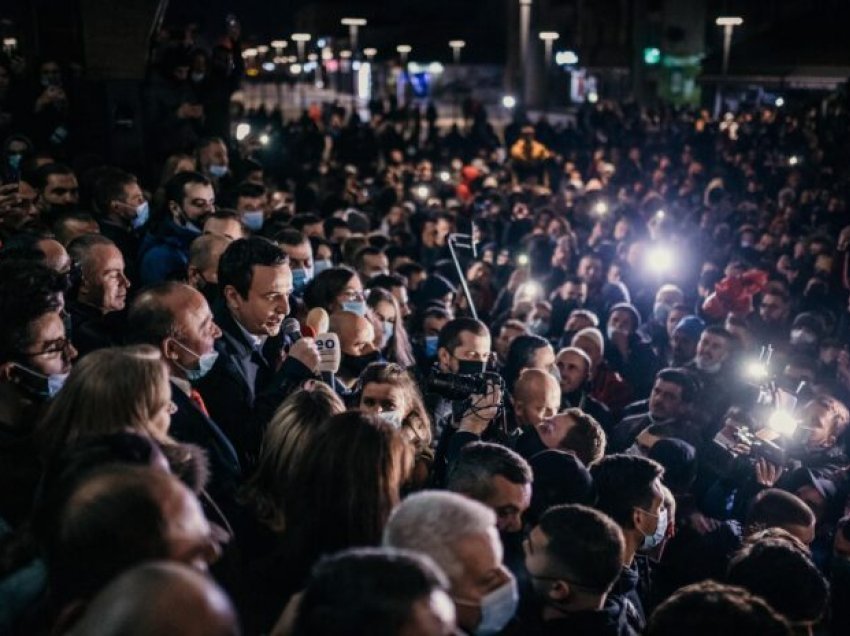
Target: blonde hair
x=109 y=390
x=286 y=438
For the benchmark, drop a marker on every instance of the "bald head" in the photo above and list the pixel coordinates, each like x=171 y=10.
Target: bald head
x=55 y=256
x=356 y=334
x=160 y=598
x=536 y=397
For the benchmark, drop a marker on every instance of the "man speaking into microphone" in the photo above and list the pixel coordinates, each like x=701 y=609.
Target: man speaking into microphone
x=254 y=372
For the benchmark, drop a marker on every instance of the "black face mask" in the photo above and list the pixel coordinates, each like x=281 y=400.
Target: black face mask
x=352 y=366
x=471 y=367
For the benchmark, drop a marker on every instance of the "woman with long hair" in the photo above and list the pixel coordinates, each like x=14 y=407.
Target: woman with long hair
x=390 y=392
x=289 y=433
x=337 y=288
x=340 y=494
x=390 y=333
x=114 y=390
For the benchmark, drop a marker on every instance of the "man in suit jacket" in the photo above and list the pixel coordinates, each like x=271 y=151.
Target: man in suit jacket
x=252 y=375
x=177 y=320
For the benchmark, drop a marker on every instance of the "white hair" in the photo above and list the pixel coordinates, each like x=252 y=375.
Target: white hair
x=432 y=521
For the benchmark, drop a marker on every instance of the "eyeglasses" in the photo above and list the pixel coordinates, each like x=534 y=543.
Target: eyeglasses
x=352 y=294
x=56 y=347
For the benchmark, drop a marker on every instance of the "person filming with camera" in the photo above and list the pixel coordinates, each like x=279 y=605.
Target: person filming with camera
x=463 y=353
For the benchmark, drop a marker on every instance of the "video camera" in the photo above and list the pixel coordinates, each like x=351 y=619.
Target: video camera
x=764 y=428
x=453 y=386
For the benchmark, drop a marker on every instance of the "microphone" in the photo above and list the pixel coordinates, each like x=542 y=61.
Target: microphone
x=295 y=331
x=318 y=319
x=330 y=356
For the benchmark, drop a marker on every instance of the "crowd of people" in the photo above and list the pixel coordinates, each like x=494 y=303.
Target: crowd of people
x=593 y=378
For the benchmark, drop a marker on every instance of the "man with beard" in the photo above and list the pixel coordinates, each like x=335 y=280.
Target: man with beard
x=711 y=367
x=58 y=191
x=684 y=339
x=670 y=403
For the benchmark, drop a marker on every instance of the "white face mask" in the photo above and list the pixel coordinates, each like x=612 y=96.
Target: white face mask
x=391 y=417
x=705 y=365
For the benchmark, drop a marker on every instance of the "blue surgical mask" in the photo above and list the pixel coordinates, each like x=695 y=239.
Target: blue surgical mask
x=497 y=608
x=431 y=347
x=205 y=363
x=142 y=214
x=356 y=306
x=389 y=330
x=218 y=170
x=300 y=277
x=321 y=265
x=55 y=381
x=253 y=220
x=15 y=160
x=391 y=417
x=653 y=540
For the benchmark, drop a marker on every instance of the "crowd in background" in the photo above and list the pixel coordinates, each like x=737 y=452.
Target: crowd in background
x=593 y=377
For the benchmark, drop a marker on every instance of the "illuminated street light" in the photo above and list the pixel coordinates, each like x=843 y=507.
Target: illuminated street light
x=457 y=47
x=353 y=25
x=370 y=53
x=548 y=38
x=301 y=39
x=524 y=31
x=728 y=23
x=509 y=101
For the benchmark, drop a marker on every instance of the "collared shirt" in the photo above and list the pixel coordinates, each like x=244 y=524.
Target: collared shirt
x=256 y=341
x=183 y=384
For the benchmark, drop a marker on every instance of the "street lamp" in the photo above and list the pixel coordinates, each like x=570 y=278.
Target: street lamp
x=353 y=25
x=301 y=40
x=548 y=38
x=524 y=31
x=456 y=46
x=728 y=23
x=404 y=50
x=370 y=53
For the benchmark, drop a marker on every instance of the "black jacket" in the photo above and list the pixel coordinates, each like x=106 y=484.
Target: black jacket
x=611 y=620
x=189 y=424
x=243 y=389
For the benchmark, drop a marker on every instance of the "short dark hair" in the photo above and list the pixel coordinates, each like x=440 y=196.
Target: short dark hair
x=520 y=354
x=479 y=462
x=324 y=288
x=775 y=508
x=291 y=236
x=41 y=175
x=586 y=438
x=175 y=187
x=304 y=218
x=783 y=575
x=110 y=187
x=449 y=337
x=710 y=608
x=249 y=189
x=236 y=266
x=408 y=269
x=385 y=281
x=329 y=224
x=585 y=546
x=366 y=591
x=363 y=252
x=681 y=378
x=28 y=290
x=623 y=483
x=106 y=523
